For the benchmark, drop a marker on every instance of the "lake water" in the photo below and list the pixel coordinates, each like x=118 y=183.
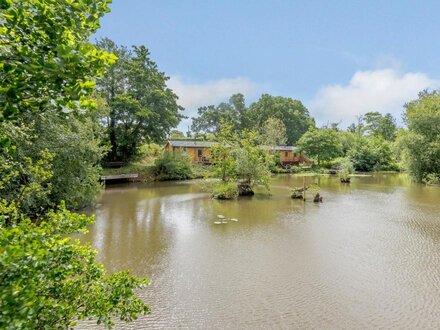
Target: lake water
x=367 y=257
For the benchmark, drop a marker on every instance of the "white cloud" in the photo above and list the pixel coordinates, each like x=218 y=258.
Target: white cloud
x=193 y=96
x=384 y=90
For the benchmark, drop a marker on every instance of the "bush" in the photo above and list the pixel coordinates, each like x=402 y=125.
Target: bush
x=225 y=190
x=49 y=281
x=431 y=179
x=371 y=154
x=172 y=166
x=346 y=169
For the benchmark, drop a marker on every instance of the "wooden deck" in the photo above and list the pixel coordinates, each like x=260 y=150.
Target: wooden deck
x=129 y=177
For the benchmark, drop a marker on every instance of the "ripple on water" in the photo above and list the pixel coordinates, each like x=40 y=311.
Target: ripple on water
x=368 y=257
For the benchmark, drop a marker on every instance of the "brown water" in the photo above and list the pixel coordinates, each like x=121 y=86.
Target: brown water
x=368 y=257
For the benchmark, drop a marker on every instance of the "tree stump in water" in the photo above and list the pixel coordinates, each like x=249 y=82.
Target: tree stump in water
x=298 y=193
x=317 y=198
x=244 y=189
x=345 y=180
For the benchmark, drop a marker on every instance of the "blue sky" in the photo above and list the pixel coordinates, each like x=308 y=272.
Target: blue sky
x=340 y=58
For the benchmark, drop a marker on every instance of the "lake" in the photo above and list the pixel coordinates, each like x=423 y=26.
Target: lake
x=367 y=257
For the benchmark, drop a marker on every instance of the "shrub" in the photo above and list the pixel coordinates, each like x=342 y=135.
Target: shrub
x=346 y=169
x=172 y=166
x=225 y=190
x=49 y=281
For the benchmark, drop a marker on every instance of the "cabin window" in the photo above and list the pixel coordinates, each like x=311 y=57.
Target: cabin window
x=184 y=148
x=286 y=153
x=199 y=152
x=294 y=154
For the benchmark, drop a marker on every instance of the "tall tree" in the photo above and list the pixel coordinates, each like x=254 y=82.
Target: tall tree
x=321 y=143
x=420 y=145
x=273 y=133
x=380 y=125
x=292 y=113
x=233 y=112
x=47 y=69
x=141 y=106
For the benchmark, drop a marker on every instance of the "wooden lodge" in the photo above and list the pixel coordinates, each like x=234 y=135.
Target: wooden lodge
x=199 y=151
x=289 y=155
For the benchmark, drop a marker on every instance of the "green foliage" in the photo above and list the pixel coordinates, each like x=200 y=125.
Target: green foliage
x=142 y=108
x=292 y=113
x=46 y=61
x=24 y=180
x=47 y=281
x=211 y=117
x=371 y=154
x=273 y=133
x=375 y=124
x=323 y=144
x=380 y=126
x=53 y=160
x=253 y=162
x=222 y=153
x=172 y=166
x=77 y=151
x=176 y=135
x=225 y=190
x=346 y=168
x=49 y=148
x=240 y=161
x=419 y=147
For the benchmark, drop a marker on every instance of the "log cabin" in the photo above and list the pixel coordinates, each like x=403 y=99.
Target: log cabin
x=289 y=155
x=199 y=152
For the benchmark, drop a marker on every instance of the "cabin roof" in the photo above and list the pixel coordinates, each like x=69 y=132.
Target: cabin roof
x=191 y=143
x=208 y=144
x=281 y=148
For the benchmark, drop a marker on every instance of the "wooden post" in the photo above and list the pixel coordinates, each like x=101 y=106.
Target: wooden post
x=304 y=188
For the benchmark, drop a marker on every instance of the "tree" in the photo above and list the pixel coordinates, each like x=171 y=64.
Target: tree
x=253 y=164
x=141 y=106
x=176 y=134
x=273 y=132
x=292 y=113
x=378 y=125
x=46 y=61
x=420 y=145
x=48 y=70
x=371 y=154
x=69 y=153
x=224 y=163
x=172 y=166
x=49 y=282
x=210 y=117
x=239 y=163
x=323 y=144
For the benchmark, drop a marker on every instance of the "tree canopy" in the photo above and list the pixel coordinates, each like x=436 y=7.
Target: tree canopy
x=273 y=132
x=210 y=117
x=420 y=145
x=46 y=60
x=49 y=152
x=320 y=143
x=292 y=113
x=141 y=106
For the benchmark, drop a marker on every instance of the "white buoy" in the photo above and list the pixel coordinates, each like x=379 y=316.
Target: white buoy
x=221 y=216
x=233 y=219
x=225 y=221
x=217 y=222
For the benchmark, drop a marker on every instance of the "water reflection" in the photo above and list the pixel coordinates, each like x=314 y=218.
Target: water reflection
x=368 y=257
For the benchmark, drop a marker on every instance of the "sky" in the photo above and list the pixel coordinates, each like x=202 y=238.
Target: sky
x=340 y=58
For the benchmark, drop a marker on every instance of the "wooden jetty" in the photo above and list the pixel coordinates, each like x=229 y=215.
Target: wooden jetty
x=129 y=177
